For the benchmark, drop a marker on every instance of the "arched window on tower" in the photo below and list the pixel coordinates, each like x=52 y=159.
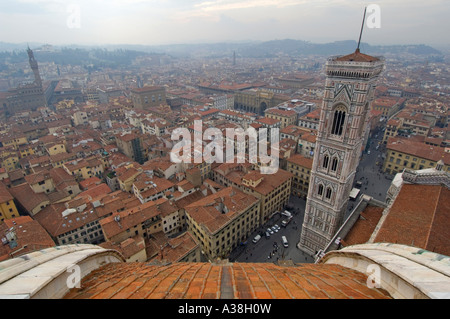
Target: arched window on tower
x=326 y=159
x=320 y=191
x=338 y=120
x=328 y=193
x=334 y=164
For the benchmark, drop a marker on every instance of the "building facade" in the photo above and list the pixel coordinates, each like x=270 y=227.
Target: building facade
x=285 y=116
x=406 y=153
x=300 y=167
x=148 y=96
x=131 y=145
x=221 y=221
x=256 y=100
x=349 y=91
x=29 y=96
x=272 y=190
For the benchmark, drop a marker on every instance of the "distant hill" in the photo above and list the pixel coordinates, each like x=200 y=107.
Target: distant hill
x=288 y=47
x=122 y=55
x=297 y=47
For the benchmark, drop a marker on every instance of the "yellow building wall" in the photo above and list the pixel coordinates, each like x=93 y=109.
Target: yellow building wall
x=395 y=162
x=15 y=142
x=26 y=152
x=56 y=149
x=10 y=163
x=8 y=210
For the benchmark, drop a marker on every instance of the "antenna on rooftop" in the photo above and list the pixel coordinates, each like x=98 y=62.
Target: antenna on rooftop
x=362 y=27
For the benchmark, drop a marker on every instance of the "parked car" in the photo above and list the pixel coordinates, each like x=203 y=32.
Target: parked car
x=285 y=242
x=256 y=239
x=285 y=222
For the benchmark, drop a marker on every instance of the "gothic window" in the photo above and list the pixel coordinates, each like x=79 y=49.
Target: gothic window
x=320 y=191
x=334 y=164
x=326 y=159
x=328 y=193
x=338 y=120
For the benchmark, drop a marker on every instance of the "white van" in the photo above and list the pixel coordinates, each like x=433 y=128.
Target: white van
x=286 y=213
x=285 y=242
x=256 y=239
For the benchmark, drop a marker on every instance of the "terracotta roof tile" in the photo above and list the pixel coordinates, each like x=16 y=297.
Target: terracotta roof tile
x=419 y=217
x=364 y=226
x=214 y=281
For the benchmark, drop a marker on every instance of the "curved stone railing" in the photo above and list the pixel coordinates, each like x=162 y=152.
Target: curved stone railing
x=404 y=272
x=51 y=272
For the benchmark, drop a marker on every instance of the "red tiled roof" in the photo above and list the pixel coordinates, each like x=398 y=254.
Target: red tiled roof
x=387 y=101
x=224 y=281
x=281 y=112
x=25 y=195
x=418 y=148
x=364 y=226
x=136 y=215
x=52 y=219
x=95 y=191
x=147 y=89
x=268 y=121
x=205 y=212
x=30 y=236
x=419 y=217
x=5 y=195
x=172 y=249
x=89 y=182
x=301 y=160
x=357 y=56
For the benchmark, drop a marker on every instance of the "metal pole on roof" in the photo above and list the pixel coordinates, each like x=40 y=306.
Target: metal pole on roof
x=362 y=27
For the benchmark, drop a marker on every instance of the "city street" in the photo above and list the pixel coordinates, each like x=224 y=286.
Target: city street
x=374 y=183
x=261 y=251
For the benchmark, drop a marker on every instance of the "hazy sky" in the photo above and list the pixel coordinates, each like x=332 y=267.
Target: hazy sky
x=193 y=21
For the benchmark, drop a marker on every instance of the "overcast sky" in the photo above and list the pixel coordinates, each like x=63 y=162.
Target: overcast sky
x=155 y=22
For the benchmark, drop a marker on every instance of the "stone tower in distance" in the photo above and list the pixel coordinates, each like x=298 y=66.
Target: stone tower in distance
x=349 y=90
x=34 y=67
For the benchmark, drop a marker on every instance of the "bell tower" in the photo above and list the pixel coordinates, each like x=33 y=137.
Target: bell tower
x=34 y=67
x=349 y=90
